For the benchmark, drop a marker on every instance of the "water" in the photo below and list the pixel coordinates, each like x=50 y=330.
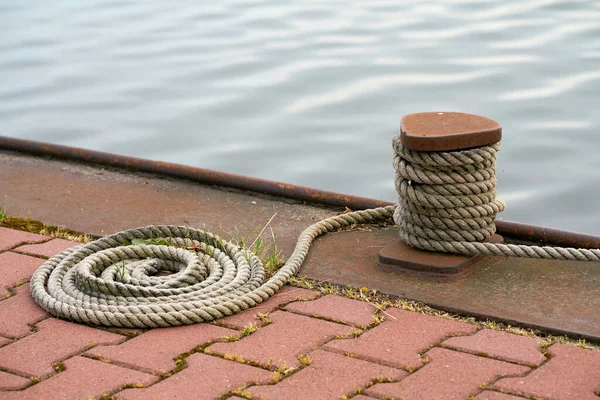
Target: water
x=312 y=93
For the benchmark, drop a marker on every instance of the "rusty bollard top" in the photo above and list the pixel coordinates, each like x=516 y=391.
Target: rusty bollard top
x=447 y=131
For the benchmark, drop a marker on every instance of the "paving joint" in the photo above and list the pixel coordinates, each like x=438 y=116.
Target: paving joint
x=31 y=254
x=13 y=249
x=107 y=360
x=11 y=289
x=322 y=318
x=240 y=360
x=489 y=356
x=32 y=326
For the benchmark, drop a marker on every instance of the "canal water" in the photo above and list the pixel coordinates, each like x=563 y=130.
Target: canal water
x=312 y=92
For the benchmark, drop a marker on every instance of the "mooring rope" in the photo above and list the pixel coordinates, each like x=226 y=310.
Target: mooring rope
x=446 y=203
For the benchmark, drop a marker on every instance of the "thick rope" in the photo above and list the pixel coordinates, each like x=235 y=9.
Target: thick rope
x=111 y=282
x=447 y=203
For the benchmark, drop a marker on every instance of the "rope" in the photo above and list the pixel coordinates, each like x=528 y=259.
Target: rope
x=111 y=282
x=446 y=203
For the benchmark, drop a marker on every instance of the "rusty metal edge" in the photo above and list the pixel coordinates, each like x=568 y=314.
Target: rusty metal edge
x=519 y=231
x=201 y=175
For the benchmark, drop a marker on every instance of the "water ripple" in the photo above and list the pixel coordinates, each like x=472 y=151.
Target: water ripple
x=378 y=83
x=552 y=88
x=312 y=92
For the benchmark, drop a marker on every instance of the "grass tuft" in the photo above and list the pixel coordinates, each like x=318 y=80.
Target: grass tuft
x=264 y=319
x=304 y=359
x=59 y=367
x=268 y=251
x=34 y=226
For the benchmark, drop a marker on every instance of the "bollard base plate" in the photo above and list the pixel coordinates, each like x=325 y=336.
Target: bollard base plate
x=398 y=257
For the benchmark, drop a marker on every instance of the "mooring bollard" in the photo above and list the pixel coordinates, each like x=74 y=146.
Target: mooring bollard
x=435 y=133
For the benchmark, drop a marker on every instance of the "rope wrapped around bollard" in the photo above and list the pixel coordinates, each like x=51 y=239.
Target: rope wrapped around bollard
x=447 y=203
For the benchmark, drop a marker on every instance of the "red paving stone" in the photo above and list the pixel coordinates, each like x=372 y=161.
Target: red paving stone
x=490 y=395
x=329 y=376
x=21 y=304
x=155 y=350
x=11 y=382
x=571 y=373
x=55 y=341
x=280 y=343
x=448 y=375
x=284 y=296
x=398 y=342
x=501 y=345
x=47 y=249
x=16 y=267
x=353 y=312
x=454 y=369
x=206 y=377
x=9 y=238
x=82 y=379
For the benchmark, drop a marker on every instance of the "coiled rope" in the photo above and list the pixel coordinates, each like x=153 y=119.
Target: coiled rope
x=446 y=203
x=112 y=282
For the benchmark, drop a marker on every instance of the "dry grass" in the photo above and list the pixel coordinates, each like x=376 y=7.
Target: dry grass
x=34 y=226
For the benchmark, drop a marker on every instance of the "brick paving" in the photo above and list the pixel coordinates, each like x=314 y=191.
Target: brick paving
x=401 y=338
x=283 y=297
x=11 y=382
x=14 y=269
x=571 y=373
x=328 y=376
x=54 y=341
x=20 y=304
x=501 y=345
x=10 y=238
x=164 y=344
x=286 y=338
x=336 y=308
x=456 y=375
x=305 y=346
x=83 y=378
